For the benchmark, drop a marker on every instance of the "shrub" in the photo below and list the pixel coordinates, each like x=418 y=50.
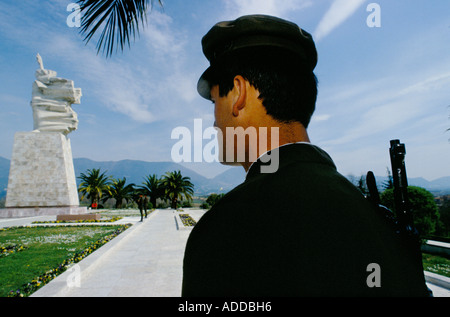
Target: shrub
x=205 y=206
x=213 y=198
x=424 y=209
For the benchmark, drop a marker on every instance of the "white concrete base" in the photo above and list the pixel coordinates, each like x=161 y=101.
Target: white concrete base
x=436 y=279
x=42 y=175
x=41 y=211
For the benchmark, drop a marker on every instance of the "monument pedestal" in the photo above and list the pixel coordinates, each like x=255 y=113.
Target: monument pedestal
x=42 y=211
x=41 y=177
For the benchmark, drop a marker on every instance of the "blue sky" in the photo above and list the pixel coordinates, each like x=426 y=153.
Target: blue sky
x=375 y=84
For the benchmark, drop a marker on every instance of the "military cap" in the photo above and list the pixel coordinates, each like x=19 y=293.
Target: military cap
x=254 y=31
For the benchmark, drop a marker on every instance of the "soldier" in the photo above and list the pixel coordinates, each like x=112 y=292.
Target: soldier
x=301 y=229
x=142 y=207
x=145 y=205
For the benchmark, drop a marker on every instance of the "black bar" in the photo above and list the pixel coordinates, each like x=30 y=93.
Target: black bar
x=397 y=152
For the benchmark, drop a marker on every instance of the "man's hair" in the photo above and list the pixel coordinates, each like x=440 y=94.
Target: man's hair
x=288 y=89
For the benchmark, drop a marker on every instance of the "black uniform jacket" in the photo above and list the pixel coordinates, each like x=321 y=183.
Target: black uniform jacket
x=304 y=230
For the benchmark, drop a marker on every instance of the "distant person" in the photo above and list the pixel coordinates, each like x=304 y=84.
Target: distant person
x=146 y=200
x=142 y=206
x=295 y=226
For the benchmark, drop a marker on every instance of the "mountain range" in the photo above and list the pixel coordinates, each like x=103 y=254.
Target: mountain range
x=135 y=172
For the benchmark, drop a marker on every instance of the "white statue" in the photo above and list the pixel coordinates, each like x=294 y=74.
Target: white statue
x=52 y=99
x=39 y=60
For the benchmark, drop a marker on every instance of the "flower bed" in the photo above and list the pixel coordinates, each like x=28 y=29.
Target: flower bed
x=30 y=287
x=113 y=219
x=187 y=220
x=5 y=251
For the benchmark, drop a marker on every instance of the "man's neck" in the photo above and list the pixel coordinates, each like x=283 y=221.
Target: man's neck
x=277 y=136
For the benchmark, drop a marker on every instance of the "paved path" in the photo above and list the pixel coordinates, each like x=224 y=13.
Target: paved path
x=145 y=260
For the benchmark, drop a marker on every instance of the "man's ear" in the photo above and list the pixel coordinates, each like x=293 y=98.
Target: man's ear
x=240 y=94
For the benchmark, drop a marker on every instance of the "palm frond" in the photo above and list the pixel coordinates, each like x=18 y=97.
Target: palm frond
x=94 y=184
x=120 y=19
x=177 y=187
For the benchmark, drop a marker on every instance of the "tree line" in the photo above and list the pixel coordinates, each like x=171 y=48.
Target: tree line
x=430 y=219
x=98 y=187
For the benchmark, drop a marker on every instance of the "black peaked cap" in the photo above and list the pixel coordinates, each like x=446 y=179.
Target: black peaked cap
x=253 y=31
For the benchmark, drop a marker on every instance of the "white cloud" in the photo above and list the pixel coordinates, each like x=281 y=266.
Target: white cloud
x=140 y=85
x=320 y=118
x=390 y=109
x=339 y=11
x=236 y=8
x=161 y=37
x=112 y=83
x=436 y=83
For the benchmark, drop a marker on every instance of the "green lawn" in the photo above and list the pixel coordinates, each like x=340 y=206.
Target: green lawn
x=436 y=264
x=121 y=212
x=40 y=250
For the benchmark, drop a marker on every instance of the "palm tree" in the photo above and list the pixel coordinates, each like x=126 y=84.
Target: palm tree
x=153 y=187
x=94 y=185
x=119 y=191
x=177 y=187
x=121 y=20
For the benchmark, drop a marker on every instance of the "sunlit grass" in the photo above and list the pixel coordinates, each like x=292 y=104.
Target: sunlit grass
x=436 y=264
x=44 y=250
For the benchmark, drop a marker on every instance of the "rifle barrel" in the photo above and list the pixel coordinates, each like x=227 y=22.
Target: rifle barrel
x=397 y=152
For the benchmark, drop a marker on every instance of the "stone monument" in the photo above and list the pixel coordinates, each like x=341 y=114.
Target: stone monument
x=42 y=177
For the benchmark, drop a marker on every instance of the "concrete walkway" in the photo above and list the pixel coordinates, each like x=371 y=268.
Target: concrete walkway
x=145 y=260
